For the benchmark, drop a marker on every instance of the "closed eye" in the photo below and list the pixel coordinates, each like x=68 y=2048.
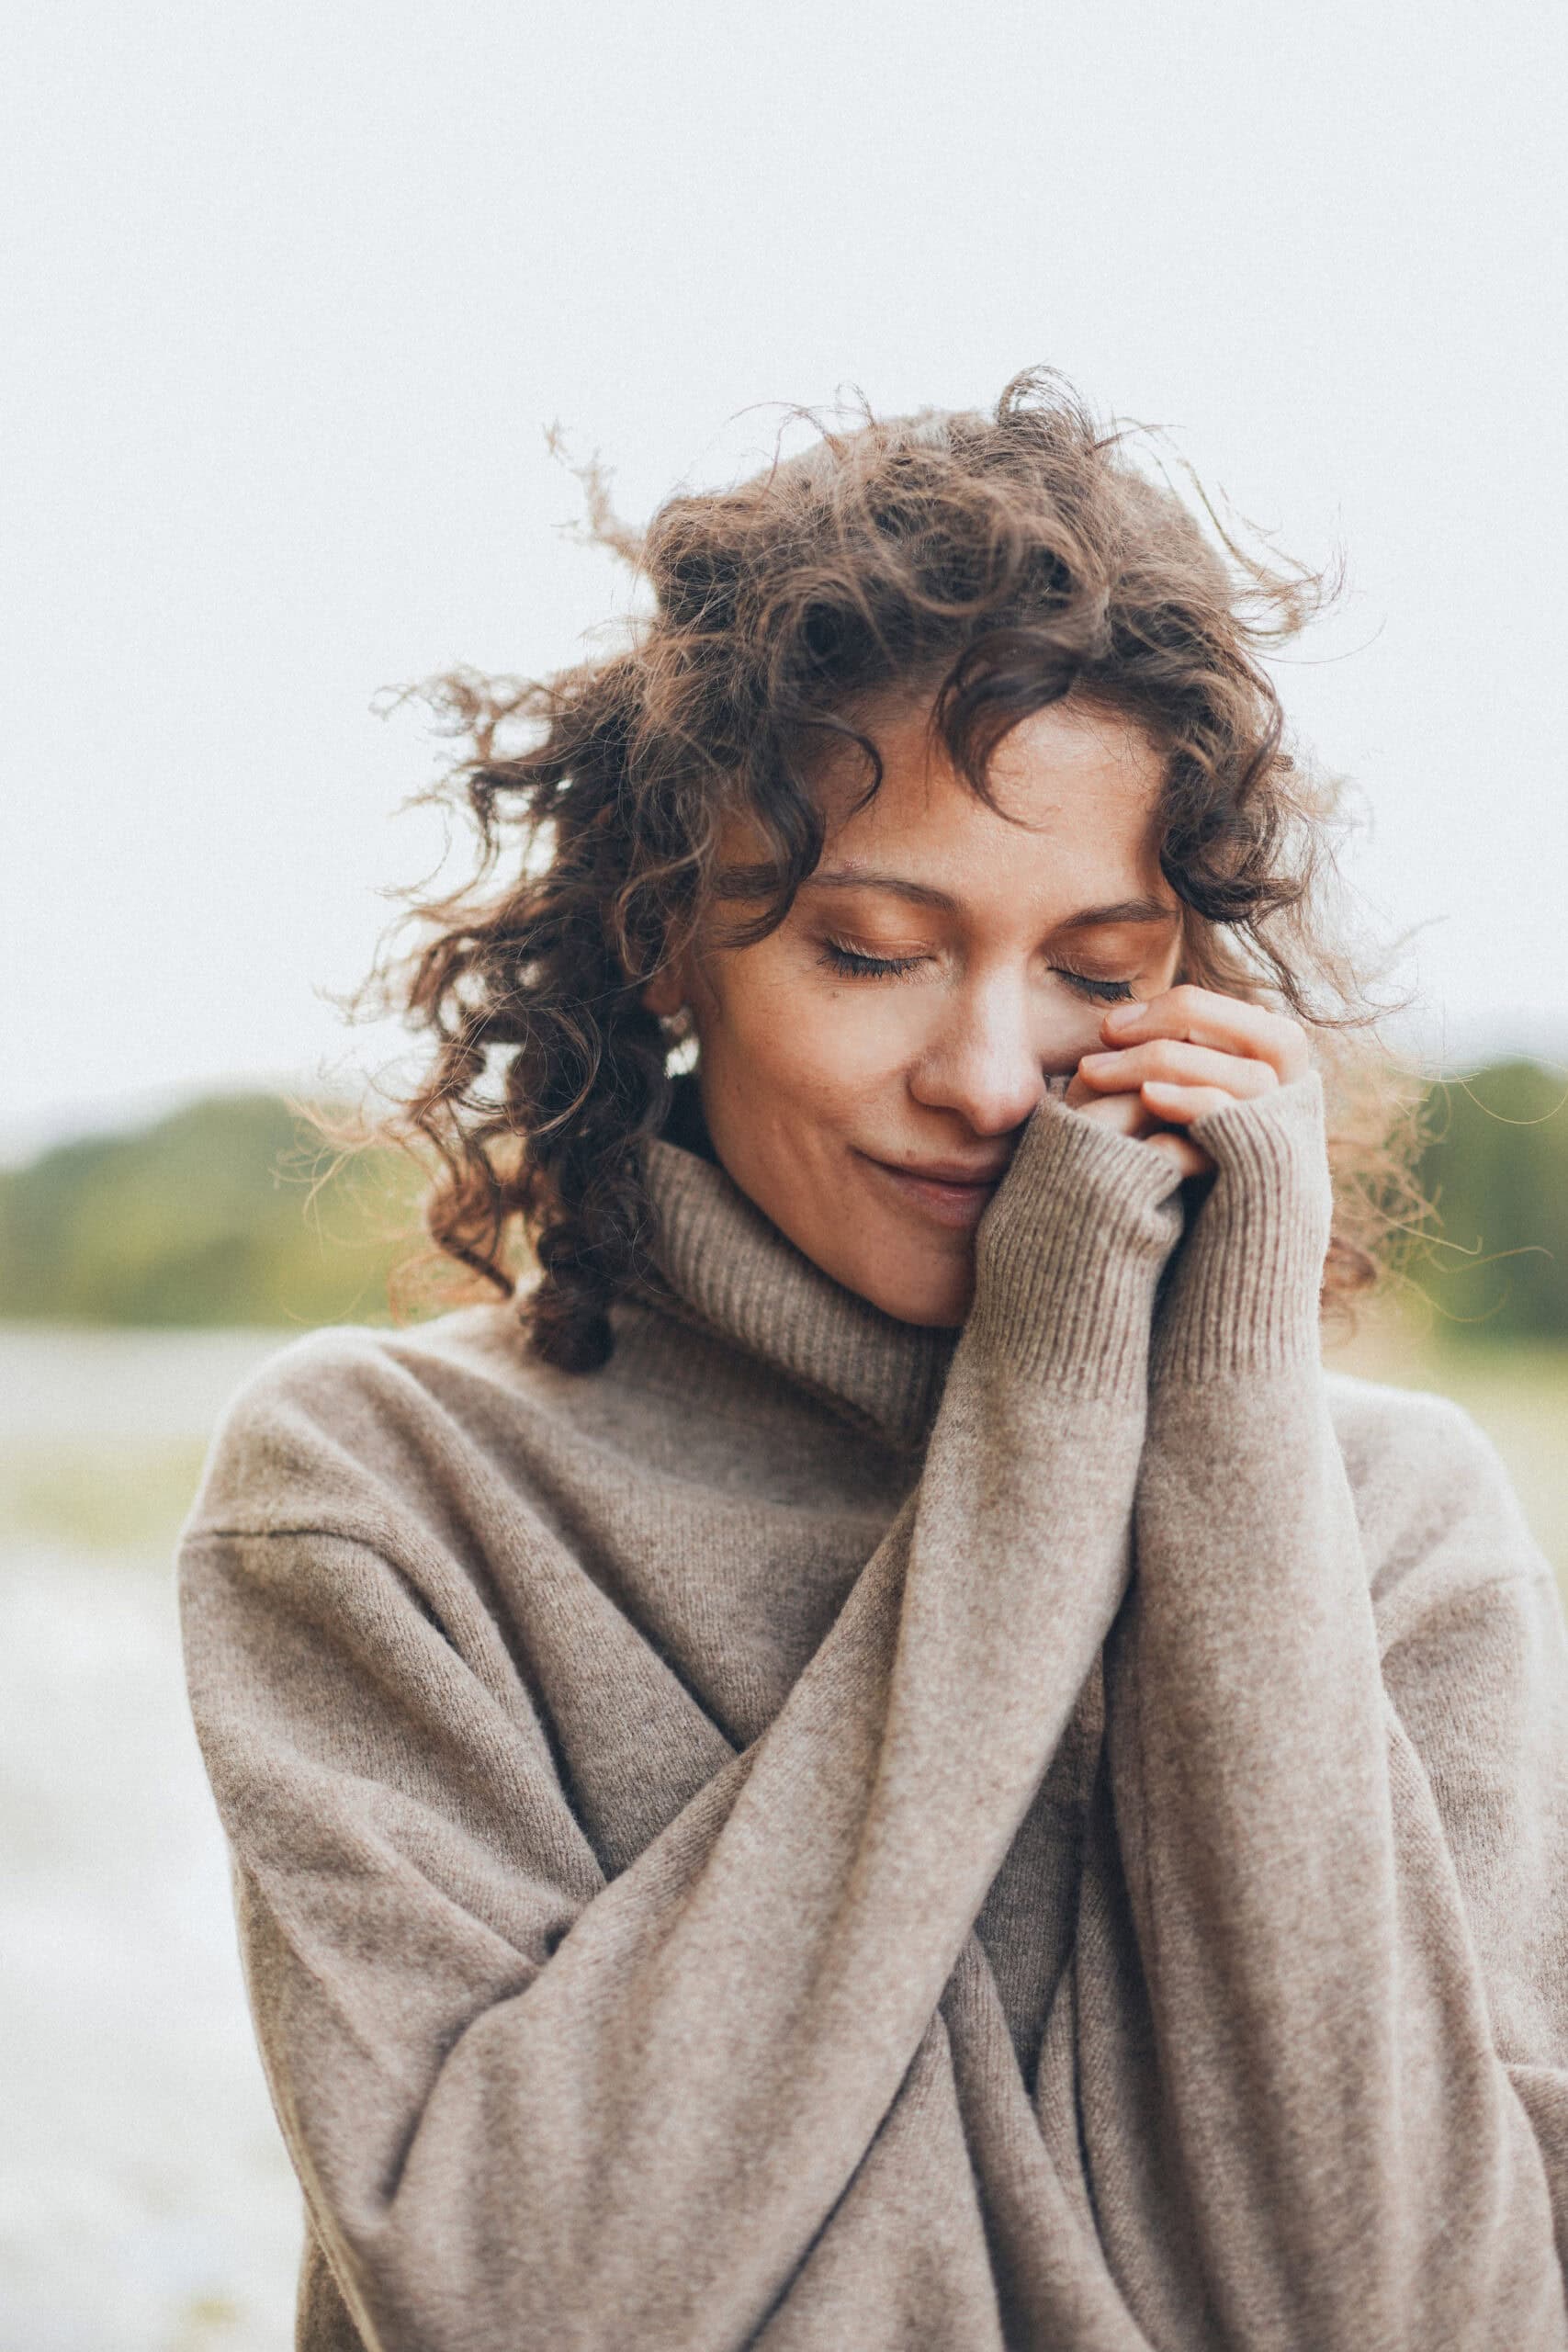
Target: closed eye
x=1099 y=991
x=855 y=966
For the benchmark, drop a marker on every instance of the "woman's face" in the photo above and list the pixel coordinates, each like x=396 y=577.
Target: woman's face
x=866 y=1069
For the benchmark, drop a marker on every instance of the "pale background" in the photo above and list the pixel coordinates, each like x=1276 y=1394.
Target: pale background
x=292 y=293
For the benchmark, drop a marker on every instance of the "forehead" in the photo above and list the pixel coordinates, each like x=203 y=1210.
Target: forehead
x=1077 y=795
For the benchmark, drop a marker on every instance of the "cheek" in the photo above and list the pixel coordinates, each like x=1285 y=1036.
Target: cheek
x=810 y=1051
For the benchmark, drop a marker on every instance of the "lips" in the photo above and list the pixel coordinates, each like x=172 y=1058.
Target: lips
x=945 y=1192
x=950 y=1171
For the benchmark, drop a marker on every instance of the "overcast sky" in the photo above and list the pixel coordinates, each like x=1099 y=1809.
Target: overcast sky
x=294 y=291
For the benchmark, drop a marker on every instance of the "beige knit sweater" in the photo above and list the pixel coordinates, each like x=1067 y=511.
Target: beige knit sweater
x=817 y=1838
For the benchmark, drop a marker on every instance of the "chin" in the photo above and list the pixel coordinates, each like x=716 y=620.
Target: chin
x=937 y=1304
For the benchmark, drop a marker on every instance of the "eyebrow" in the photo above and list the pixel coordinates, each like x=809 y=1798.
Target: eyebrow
x=921 y=894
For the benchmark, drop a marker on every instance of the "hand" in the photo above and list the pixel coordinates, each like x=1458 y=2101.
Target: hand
x=1186 y=1052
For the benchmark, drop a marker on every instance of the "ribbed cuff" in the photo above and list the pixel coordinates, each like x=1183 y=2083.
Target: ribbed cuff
x=1245 y=1290
x=1070 y=1252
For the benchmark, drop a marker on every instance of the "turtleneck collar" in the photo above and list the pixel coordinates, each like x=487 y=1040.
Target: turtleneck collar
x=727 y=1269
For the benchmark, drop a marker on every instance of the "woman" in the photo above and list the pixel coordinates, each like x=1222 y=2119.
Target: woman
x=879 y=1758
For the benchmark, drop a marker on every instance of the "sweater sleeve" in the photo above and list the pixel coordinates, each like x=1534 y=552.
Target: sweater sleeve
x=1346 y=1872
x=533 y=2105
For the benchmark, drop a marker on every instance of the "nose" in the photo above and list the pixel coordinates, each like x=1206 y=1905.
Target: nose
x=986 y=1063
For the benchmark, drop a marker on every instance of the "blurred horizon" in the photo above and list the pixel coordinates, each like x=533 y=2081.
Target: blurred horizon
x=244 y=1207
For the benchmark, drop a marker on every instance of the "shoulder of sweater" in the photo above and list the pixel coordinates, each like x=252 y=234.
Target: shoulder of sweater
x=347 y=1415
x=366 y=1432
x=1438 y=1516
x=322 y=1372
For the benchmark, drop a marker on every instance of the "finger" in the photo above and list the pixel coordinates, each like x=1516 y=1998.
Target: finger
x=1189 y=1158
x=1204 y=1017
x=1173 y=1061
x=1126 y=1113
x=1182 y=1104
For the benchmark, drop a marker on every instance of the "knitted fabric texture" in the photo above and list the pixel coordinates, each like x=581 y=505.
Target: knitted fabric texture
x=829 y=1836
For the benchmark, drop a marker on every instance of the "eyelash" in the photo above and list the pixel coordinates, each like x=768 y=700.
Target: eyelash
x=853 y=965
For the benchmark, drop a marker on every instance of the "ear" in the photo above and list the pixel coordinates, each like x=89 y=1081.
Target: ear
x=664 y=995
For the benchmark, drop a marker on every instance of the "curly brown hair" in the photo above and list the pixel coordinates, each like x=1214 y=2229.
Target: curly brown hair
x=997 y=562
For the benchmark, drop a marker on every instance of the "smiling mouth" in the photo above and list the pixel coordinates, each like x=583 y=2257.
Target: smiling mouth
x=947 y=1196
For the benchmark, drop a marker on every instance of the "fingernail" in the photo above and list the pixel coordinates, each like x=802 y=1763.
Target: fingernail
x=1120 y=1016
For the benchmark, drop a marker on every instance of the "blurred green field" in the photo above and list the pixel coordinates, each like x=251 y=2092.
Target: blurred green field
x=98 y=1494
x=103 y=1432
